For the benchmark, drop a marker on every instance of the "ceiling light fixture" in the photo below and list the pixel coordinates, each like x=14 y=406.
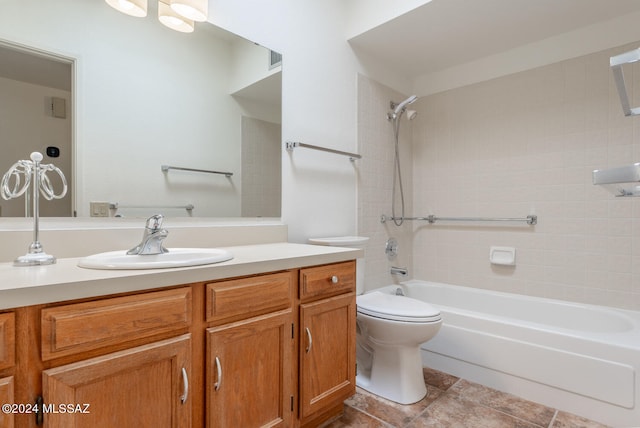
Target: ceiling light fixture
x=173 y=20
x=178 y=15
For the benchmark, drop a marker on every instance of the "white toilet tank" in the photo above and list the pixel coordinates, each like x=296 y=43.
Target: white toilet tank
x=349 y=242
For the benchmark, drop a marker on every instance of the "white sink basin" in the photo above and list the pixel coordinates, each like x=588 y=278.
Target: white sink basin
x=176 y=257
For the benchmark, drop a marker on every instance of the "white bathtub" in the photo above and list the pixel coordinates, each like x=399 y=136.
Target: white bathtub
x=583 y=359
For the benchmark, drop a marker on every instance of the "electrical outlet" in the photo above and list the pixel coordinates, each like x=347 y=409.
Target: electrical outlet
x=99 y=209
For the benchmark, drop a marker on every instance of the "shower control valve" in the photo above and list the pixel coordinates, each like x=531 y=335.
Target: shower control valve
x=391 y=248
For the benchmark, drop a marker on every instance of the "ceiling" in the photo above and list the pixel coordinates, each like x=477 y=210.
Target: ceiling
x=446 y=33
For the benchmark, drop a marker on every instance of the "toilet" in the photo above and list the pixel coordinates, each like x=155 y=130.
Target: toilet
x=390 y=329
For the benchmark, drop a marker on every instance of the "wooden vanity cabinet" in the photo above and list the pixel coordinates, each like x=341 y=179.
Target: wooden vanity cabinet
x=139 y=386
x=146 y=386
x=249 y=351
x=327 y=340
x=268 y=350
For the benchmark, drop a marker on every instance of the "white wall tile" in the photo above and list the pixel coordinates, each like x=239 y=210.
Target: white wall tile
x=521 y=144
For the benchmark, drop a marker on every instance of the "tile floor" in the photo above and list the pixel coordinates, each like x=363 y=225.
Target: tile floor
x=456 y=403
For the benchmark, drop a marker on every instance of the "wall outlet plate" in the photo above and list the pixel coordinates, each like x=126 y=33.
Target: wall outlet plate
x=99 y=209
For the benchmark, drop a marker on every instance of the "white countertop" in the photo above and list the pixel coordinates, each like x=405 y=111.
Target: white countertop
x=24 y=286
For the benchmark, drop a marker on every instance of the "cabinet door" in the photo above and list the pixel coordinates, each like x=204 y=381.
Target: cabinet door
x=327 y=353
x=7 y=340
x=146 y=386
x=249 y=372
x=6 y=397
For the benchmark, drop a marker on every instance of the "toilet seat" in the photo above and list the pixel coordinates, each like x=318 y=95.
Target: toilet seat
x=396 y=308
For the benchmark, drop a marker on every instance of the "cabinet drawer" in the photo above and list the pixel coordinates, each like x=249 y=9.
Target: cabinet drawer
x=7 y=340
x=248 y=297
x=327 y=280
x=73 y=328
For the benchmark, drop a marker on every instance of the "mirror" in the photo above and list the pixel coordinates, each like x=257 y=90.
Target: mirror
x=140 y=96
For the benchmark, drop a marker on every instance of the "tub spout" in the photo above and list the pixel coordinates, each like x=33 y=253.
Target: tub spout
x=399 y=271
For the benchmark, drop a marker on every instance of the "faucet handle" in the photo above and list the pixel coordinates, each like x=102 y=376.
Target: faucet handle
x=154 y=222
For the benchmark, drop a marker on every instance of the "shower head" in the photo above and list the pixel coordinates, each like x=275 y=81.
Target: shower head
x=400 y=107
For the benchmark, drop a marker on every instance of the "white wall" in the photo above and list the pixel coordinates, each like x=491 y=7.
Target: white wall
x=172 y=94
x=363 y=15
x=249 y=64
x=319 y=106
x=27 y=125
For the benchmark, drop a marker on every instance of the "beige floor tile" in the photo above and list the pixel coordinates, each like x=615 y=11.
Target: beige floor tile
x=452 y=411
x=454 y=403
x=503 y=402
x=438 y=379
x=355 y=419
x=567 y=420
x=389 y=411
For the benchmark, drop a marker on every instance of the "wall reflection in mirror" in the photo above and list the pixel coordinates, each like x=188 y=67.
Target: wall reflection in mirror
x=110 y=98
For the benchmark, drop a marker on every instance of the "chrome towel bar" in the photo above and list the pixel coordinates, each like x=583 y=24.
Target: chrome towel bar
x=290 y=145
x=115 y=206
x=166 y=168
x=531 y=220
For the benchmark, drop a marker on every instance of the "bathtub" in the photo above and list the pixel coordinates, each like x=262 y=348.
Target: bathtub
x=582 y=359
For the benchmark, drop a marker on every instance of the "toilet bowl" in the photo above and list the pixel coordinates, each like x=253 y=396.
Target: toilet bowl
x=390 y=330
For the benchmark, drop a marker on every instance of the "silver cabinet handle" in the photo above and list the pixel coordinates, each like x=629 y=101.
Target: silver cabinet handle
x=185 y=381
x=309 y=340
x=216 y=386
x=334 y=279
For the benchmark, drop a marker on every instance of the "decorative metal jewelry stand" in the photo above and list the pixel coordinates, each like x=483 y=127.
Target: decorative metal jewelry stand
x=34 y=173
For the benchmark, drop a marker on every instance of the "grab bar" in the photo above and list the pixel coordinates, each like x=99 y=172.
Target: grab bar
x=290 y=145
x=115 y=206
x=166 y=168
x=531 y=220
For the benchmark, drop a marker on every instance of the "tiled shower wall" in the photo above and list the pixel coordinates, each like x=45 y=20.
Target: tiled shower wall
x=375 y=182
x=527 y=144
x=261 y=166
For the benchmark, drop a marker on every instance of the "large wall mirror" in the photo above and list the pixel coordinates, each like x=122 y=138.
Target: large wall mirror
x=132 y=96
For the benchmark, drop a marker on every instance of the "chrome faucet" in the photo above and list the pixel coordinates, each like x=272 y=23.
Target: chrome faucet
x=152 y=238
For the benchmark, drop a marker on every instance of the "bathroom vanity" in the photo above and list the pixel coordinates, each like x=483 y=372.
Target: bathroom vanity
x=265 y=339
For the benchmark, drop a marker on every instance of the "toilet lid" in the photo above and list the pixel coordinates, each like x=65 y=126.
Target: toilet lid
x=396 y=308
